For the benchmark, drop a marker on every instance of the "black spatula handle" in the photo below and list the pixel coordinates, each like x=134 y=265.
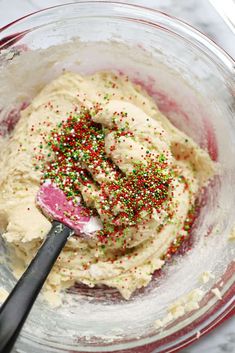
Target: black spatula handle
x=19 y=303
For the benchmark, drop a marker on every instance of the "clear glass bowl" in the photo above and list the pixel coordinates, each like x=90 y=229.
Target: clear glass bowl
x=192 y=80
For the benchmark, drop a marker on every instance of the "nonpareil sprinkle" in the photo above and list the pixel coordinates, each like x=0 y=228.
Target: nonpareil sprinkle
x=76 y=148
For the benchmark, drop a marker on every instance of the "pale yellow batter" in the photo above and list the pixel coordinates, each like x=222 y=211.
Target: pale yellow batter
x=23 y=224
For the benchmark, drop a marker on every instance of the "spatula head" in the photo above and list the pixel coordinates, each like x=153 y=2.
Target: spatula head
x=54 y=204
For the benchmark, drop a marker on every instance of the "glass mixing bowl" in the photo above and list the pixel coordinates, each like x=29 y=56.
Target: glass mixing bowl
x=192 y=80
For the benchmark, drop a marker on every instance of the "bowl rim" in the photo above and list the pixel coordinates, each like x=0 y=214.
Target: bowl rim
x=225 y=308
x=199 y=35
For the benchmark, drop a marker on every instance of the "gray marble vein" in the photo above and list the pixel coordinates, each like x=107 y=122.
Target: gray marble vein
x=220 y=340
x=202 y=16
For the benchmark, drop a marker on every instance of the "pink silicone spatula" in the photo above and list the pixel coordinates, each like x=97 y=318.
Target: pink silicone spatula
x=68 y=219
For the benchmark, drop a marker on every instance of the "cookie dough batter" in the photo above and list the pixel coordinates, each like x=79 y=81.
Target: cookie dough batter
x=161 y=169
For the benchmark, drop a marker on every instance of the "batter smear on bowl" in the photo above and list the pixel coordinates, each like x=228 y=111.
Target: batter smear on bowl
x=102 y=141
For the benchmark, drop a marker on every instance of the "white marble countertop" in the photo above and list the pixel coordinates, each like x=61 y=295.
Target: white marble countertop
x=198 y=13
x=201 y=15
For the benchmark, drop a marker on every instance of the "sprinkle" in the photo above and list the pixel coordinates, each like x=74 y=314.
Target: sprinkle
x=76 y=152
